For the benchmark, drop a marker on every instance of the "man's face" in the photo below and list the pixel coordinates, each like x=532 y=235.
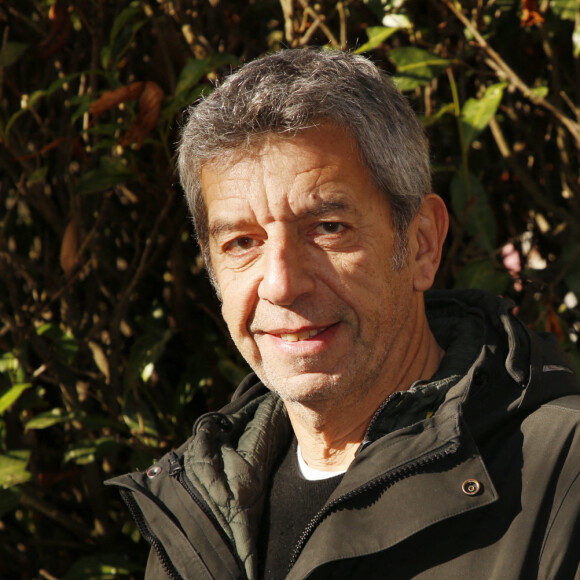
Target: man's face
x=301 y=243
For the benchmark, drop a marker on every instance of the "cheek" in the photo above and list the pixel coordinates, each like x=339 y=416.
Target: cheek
x=238 y=302
x=367 y=268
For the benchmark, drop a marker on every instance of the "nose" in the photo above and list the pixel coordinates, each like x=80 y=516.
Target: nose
x=285 y=275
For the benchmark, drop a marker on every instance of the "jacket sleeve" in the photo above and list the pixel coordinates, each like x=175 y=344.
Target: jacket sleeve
x=560 y=556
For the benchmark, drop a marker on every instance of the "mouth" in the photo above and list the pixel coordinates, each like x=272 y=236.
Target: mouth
x=302 y=335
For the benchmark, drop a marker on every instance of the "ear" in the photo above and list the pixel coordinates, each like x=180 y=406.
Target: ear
x=430 y=229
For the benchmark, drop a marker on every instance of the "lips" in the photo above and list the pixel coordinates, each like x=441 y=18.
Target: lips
x=302 y=335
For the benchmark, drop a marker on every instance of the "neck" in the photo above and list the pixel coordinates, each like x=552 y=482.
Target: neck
x=330 y=432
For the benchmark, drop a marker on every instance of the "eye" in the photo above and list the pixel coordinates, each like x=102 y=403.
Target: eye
x=240 y=245
x=330 y=227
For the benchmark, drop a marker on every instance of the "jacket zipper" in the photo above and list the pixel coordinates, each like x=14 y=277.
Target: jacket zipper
x=388 y=401
x=148 y=535
x=390 y=478
x=176 y=470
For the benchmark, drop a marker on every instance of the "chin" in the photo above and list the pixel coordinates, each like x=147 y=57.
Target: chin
x=305 y=391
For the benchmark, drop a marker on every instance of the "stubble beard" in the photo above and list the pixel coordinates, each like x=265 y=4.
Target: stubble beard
x=319 y=390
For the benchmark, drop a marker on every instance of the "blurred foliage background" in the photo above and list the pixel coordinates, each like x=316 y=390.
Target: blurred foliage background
x=111 y=342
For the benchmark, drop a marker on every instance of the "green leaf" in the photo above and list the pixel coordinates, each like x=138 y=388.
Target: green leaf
x=10 y=365
x=13 y=468
x=13 y=393
x=565 y=9
x=192 y=379
x=195 y=69
x=64 y=342
x=50 y=418
x=122 y=35
x=141 y=421
x=11 y=53
x=485 y=276
x=432 y=119
x=38 y=175
x=147 y=350
x=477 y=113
x=541 y=92
x=416 y=67
x=111 y=172
x=86 y=451
x=377 y=35
x=8 y=362
x=472 y=209
x=123 y=19
x=35 y=98
x=191 y=74
x=102 y=567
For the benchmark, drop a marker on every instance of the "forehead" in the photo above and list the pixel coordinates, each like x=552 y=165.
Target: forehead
x=314 y=166
x=321 y=145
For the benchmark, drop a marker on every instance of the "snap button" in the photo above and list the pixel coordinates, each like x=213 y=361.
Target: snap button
x=153 y=471
x=471 y=487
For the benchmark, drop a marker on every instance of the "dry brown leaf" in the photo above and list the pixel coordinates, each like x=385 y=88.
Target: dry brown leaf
x=150 y=103
x=69 y=247
x=150 y=97
x=530 y=14
x=111 y=99
x=100 y=359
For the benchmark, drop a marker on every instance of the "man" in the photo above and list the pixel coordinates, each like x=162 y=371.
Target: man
x=384 y=435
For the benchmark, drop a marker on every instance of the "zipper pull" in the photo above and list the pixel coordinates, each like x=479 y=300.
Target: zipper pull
x=175 y=466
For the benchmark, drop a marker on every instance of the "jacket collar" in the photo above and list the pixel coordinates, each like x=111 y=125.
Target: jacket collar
x=229 y=461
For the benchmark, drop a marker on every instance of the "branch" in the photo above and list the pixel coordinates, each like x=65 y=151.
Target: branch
x=31 y=500
x=288 y=11
x=505 y=70
x=342 y=15
x=319 y=21
x=525 y=179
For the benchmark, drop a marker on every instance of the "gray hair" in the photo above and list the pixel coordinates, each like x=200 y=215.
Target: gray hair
x=292 y=90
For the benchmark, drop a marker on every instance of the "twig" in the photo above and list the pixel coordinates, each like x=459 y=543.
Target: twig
x=46 y=575
x=507 y=72
x=288 y=11
x=31 y=501
x=148 y=248
x=318 y=20
x=125 y=299
x=342 y=16
x=305 y=39
x=525 y=179
x=569 y=102
x=29 y=22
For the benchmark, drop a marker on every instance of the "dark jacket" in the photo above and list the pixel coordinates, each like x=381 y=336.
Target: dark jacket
x=484 y=484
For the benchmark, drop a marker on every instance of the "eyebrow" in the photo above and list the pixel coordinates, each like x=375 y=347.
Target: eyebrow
x=328 y=206
x=220 y=227
x=323 y=208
